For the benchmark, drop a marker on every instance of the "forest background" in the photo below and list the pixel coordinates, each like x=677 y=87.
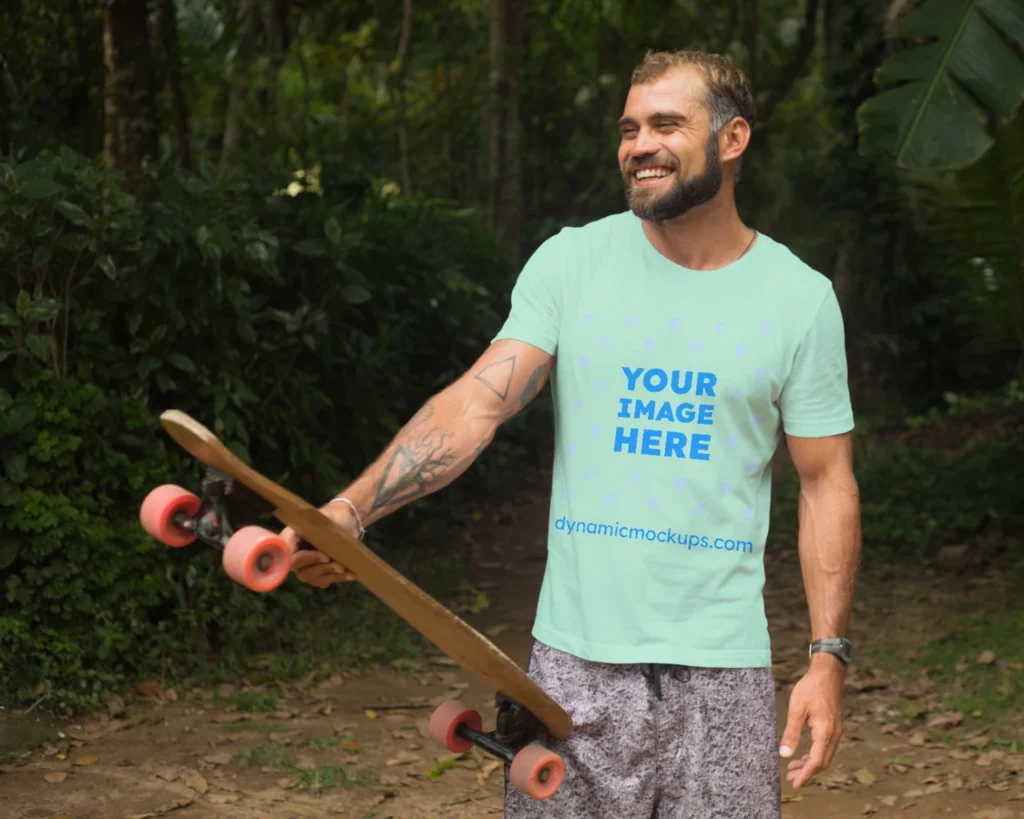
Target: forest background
x=296 y=219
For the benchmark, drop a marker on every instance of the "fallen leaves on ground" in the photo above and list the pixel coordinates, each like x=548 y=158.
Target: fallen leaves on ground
x=403 y=758
x=84 y=761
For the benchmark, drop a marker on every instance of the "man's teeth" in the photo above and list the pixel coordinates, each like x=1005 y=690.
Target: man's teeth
x=652 y=173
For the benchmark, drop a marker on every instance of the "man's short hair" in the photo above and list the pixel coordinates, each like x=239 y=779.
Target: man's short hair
x=729 y=91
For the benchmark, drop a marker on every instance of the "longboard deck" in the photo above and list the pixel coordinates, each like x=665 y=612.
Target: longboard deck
x=456 y=638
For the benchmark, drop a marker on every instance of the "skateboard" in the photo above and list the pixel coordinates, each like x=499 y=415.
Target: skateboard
x=234 y=496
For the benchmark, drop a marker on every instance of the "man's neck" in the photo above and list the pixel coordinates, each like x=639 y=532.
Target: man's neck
x=705 y=238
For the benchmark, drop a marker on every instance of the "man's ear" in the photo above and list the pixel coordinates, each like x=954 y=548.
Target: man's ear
x=733 y=139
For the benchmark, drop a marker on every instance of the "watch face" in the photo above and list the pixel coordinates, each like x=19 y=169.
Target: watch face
x=842 y=649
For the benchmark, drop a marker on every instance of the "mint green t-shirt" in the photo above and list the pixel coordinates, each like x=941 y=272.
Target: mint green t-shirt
x=672 y=388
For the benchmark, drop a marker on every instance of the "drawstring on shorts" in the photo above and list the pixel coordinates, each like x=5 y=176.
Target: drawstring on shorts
x=654 y=671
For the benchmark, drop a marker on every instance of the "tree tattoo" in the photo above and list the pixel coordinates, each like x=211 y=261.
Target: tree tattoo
x=413 y=466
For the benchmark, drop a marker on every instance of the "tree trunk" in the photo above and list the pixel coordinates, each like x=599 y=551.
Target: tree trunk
x=249 y=14
x=10 y=24
x=795 y=67
x=111 y=150
x=504 y=183
x=730 y=27
x=401 y=108
x=858 y=196
x=82 y=111
x=130 y=107
x=750 y=40
x=277 y=37
x=168 y=21
x=6 y=148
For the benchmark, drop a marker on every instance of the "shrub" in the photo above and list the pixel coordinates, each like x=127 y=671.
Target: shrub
x=303 y=329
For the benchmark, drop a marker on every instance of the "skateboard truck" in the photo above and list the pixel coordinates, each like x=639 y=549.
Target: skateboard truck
x=516 y=728
x=255 y=557
x=532 y=768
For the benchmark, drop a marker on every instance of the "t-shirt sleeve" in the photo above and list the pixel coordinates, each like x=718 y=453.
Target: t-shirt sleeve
x=536 y=312
x=815 y=401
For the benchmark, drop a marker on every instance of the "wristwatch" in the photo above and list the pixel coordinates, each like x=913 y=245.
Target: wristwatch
x=839 y=646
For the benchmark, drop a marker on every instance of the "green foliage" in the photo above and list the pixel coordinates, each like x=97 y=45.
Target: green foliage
x=314 y=780
x=184 y=302
x=80 y=578
x=918 y=497
x=979 y=217
x=62 y=218
x=303 y=306
x=959 y=406
x=914 y=499
x=88 y=598
x=930 y=116
x=330 y=314
x=987 y=694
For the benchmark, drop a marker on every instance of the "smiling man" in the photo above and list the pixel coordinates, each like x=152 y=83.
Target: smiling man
x=681 y=346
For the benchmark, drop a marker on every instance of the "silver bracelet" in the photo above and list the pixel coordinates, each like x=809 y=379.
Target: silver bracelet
x=352 y=506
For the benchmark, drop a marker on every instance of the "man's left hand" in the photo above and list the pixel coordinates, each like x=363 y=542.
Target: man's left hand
x=817 y=700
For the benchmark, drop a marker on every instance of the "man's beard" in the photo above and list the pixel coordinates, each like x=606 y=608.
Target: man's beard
x=684 y=193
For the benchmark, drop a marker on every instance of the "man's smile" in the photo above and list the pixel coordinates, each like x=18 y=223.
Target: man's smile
x=651 y=176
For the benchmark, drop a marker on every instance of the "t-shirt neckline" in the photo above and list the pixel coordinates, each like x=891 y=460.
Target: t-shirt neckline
x=735 y=266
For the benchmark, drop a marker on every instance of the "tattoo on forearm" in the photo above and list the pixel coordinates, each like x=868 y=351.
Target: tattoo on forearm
x=534 y=385
x=486 y=442
x=498 y=376
x=414 y=465
x=425 y=413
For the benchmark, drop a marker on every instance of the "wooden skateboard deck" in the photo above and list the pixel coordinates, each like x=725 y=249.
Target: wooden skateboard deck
x=452 y=635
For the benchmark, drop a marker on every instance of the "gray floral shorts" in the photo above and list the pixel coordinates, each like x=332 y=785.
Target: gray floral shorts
x=658 y=742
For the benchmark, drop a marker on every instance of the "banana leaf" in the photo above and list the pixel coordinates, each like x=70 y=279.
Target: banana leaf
x=977 y=216
x=961 y=65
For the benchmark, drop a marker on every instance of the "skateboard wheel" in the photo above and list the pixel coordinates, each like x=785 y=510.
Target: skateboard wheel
x=257 y=558
x=159 y=510
x=445 y=721
x=536 y=771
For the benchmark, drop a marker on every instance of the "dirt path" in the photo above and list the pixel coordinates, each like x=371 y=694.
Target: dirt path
x=356 y=747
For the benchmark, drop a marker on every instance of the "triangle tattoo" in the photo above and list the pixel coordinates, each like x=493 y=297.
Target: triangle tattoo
x=498 y=376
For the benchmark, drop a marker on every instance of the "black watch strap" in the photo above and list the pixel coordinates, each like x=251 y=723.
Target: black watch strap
x=840 y=646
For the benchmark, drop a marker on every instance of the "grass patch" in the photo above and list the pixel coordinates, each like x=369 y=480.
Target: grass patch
x=448 y=764
x=280 y=759
x=331 y=777
x=272 y=755
x=986 y=694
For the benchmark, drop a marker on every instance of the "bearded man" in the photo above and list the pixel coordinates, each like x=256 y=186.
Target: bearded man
x=681 y=345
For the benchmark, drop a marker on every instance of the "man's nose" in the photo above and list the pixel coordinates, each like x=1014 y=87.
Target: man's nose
x=643 y=146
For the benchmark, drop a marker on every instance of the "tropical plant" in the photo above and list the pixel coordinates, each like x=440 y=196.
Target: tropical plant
x=978 y=216
x=940 y=93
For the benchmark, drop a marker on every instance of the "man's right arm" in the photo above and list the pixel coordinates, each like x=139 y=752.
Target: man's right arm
x=438 y=444
x=450 y=430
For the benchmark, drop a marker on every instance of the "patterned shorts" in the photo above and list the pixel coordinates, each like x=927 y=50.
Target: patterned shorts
x=658 y=742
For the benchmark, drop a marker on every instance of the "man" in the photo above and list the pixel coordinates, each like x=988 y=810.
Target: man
x=681 y=345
